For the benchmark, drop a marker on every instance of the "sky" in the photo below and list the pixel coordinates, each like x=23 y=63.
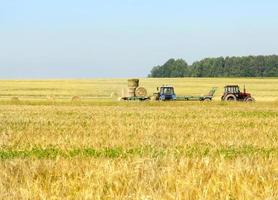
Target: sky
x=126 y=38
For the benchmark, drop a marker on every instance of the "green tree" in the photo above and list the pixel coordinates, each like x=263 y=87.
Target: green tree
x=249 y=66
x=172 y=68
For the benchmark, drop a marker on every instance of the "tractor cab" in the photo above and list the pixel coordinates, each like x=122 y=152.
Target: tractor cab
x=232 y=89
x=167 y=93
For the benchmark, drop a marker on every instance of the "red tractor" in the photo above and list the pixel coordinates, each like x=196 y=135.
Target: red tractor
x=232 y=93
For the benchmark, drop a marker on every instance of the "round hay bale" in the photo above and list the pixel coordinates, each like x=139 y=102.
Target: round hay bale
x=133 y=83
x=51 y=98
x=75 y=98
x=15 y=99
x=114 y=95
x=141 y=92
x=124 y=92
x=131 y=91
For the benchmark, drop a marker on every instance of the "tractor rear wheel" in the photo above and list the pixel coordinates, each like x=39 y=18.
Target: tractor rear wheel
x=230 y=97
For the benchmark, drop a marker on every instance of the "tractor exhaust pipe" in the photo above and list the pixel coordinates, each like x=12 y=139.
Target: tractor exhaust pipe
x=244 y=89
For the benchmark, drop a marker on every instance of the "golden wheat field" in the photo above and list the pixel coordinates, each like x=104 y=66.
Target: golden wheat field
x=68 y=139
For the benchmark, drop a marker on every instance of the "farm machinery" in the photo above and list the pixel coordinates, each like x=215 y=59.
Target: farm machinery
x=167 y=93
x=164 y=93
x=233 y=93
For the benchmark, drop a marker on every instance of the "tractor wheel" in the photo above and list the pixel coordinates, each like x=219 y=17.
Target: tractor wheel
x=230 y=97
x=249 y=99
x=207 y=99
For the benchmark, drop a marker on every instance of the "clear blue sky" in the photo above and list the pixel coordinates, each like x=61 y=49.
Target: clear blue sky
x=125 y=38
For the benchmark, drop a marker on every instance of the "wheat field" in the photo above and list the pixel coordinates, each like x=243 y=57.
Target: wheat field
x=98 y=148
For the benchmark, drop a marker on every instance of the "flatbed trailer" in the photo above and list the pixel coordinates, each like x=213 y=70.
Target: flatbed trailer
x=193 y=98
x=198 y=98
x=135 y=98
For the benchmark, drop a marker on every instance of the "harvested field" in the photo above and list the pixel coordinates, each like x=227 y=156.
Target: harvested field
x=104 y=149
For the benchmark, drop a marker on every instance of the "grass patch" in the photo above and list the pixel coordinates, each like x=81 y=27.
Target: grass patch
x=251 y=114
x=147 y=151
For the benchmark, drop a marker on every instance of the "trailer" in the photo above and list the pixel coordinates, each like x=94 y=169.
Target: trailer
x=207 y=97
x=135 y=98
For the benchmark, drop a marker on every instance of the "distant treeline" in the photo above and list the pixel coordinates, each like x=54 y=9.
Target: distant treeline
x=249 y=66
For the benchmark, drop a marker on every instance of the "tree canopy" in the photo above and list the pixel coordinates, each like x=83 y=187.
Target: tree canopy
x=248 y=66
x=172 y=68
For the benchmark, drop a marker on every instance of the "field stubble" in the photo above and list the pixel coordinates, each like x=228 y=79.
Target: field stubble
x=151 y=150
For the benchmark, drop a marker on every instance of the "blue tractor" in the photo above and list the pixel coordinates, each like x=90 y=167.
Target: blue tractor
x=165 y=93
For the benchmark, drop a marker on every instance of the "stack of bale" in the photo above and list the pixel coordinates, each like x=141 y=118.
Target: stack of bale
x=134 y=90
x=132 y=84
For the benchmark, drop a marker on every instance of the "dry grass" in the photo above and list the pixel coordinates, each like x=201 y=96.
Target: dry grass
x=140 y=178
x=51 y=98
x=139 y=150
x=15 y=99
